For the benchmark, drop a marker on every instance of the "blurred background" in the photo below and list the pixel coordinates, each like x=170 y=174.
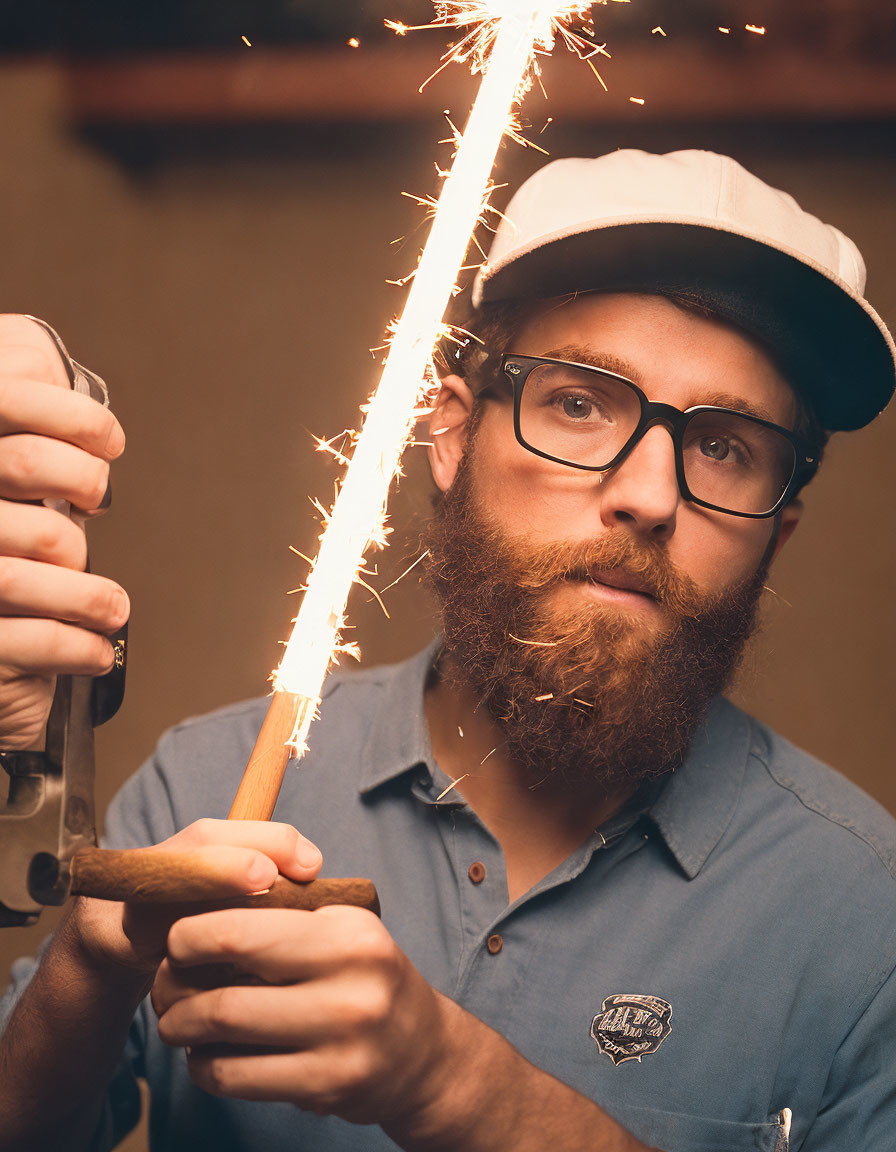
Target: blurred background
x=204 y=197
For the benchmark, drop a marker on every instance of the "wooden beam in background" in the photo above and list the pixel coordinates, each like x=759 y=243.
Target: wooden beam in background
x=679 y=82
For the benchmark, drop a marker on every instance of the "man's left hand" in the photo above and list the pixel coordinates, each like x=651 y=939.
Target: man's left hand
x=335 y=1019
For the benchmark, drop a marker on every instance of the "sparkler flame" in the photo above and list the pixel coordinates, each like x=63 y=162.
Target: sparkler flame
x=501 y=42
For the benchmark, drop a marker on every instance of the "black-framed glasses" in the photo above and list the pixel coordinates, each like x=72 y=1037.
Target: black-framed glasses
x=591 y=418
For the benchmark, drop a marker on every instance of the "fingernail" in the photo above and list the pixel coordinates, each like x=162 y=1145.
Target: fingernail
x=121 y=607
x=106 y=501
x=308 y=856
x=261 y=874
x=115 y=441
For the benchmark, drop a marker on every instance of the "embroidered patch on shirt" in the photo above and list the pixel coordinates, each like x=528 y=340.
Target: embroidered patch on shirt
x=631 y=1026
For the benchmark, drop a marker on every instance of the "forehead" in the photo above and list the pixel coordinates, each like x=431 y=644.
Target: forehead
x=675 y=354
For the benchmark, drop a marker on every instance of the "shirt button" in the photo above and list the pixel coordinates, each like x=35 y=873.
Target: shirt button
x=477 y=872
x=494 y=944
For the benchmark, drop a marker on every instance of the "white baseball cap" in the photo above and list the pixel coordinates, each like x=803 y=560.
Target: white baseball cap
x=700 y=224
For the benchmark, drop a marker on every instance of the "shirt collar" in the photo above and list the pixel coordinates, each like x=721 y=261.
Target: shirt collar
x=399 y=735
x=699 y=799
x=696 y=802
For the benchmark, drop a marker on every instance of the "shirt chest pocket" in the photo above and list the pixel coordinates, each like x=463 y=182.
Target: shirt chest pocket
x=679 y=1132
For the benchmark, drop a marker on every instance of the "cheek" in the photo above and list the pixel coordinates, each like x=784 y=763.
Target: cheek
x=528 y=496
x=718 y=552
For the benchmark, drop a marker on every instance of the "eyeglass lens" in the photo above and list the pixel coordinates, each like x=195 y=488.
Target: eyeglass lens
x=582 y=416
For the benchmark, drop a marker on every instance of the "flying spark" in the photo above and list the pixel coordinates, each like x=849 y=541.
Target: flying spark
x=451 y=787
x=777 y=595
x=246 y=41
x=419 y=560
x=534 y=643
x=755 y=28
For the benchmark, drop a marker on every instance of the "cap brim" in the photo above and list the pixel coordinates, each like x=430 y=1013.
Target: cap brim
x=830 y=343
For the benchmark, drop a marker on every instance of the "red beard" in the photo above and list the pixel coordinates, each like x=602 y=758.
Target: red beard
x=619 y=702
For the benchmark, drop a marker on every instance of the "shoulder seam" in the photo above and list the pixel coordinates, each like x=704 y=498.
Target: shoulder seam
x=839 y=821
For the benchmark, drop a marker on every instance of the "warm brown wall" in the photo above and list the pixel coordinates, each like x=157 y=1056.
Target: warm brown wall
x=230 y=304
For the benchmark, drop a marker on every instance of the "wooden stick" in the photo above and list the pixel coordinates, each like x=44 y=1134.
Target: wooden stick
x=260 y=786
x=157 y=876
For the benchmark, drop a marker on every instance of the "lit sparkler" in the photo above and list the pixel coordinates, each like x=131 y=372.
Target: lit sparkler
x=501 y=41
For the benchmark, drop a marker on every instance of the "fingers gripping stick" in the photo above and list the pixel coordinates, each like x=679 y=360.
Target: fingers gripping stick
x=166 y=877
x=107 y=691
x=169 y=877
x=49 y=815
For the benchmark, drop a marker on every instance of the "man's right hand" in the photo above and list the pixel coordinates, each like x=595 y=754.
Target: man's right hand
x=54 y=617
x=245 y=856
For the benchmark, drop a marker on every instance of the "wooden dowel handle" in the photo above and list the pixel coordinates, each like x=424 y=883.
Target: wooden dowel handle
x=152 y=876
x=260 y=786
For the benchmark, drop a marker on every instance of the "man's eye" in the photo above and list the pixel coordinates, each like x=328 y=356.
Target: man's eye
x=714 y=447
x=721 y=448
x=576 y=407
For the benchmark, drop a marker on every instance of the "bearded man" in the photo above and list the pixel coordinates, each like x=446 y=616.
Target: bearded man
x=618 y=913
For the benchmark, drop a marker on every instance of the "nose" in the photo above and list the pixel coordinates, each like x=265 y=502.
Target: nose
x=641 y=492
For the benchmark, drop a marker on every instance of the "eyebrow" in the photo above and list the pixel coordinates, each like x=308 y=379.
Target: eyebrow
x=610 y=363
x=593 y=359
x=738 y=404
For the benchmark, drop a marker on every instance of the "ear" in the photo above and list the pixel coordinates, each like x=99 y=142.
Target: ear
x=448 y=429
x=789 y=518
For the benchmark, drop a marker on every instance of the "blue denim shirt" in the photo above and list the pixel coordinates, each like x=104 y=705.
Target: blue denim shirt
x=695 y=968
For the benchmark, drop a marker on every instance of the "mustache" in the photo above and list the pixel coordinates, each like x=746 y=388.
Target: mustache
x=634 y=563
